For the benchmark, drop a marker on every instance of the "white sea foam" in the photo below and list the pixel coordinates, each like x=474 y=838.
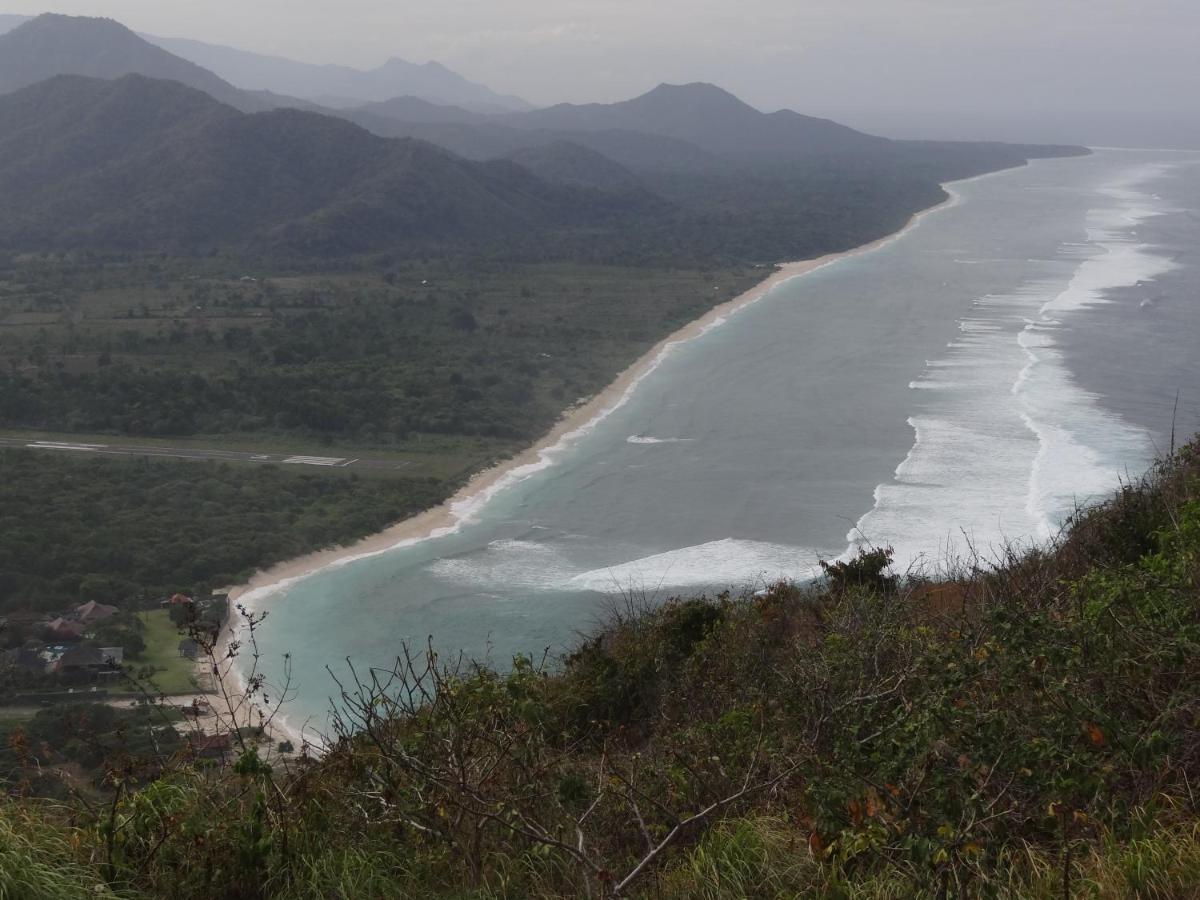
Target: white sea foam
x=726 y=562
x=507 y=563
x=643 y=439
x=1008 y=444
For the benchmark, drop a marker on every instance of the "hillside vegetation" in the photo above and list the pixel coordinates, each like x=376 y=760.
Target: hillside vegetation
x=1025 y=730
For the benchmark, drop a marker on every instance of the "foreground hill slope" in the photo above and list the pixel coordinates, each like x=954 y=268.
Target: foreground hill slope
x=1027 y=729
x=138 y=163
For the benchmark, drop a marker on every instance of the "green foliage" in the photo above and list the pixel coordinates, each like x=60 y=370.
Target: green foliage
x=448 y=347
x=93 y=736
x=867 y=571
x=148 y=528
x=37 y=861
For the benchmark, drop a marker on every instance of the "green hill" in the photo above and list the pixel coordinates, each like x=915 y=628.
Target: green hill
x=139 y=164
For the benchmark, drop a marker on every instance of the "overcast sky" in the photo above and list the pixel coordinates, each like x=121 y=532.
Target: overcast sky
x=1028 y=59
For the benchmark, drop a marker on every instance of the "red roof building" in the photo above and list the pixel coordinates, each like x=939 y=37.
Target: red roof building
x=92 y=612
x=65 y=629
x=210 y=746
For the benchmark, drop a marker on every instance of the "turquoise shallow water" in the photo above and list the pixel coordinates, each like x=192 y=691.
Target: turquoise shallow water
x=963 y=386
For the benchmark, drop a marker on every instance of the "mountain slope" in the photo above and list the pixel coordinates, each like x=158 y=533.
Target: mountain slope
x=139 y=164
x=484 y=138
x=53 y=45
x=709 y=118
x=416 y=109
x=562 y=162
x=341 y=85
x=9 y=22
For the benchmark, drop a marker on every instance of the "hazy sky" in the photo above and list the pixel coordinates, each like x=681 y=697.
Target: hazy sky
x=1029 y=58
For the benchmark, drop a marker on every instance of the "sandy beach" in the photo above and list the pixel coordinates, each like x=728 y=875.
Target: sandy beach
x=447 y=516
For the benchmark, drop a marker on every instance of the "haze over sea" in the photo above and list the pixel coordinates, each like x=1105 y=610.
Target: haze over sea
x=964 y=386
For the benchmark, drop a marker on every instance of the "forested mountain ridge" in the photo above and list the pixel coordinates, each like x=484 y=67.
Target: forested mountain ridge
x=138 y=164
x=693 y=129
x=682 y=173
x=51 y=45
x=484 y=137
x=711 y=119
x=409 y=108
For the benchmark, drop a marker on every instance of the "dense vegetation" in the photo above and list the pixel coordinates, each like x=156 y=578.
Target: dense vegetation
x=132 y=531
x=1028 y=730
x=178 y=347
x=74 y=746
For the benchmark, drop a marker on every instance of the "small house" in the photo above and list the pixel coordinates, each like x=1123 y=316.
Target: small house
x=189 y=649
x=92 y=612
x=61 y=629
x=211 y=746
x=86 y=661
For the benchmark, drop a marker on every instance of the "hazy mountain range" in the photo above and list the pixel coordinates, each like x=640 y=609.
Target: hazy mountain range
x=110 y=142
x=137 y=162
x=101 y=48
x=341 y=86
x=330 y=85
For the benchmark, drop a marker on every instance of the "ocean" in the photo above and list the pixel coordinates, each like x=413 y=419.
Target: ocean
x=959 y=390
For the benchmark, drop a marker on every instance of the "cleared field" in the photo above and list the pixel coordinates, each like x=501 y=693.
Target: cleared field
x=172 y=673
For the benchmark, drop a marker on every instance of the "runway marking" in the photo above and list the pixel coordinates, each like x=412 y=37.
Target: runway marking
x=201 y=454
x=63 y=445
x=314 y=460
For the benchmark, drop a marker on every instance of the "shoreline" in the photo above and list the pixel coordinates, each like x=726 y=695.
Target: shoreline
x=448 y=516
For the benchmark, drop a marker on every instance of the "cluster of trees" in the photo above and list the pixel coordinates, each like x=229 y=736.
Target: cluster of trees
x=372 y=358
x=133 y=531
x=86 y=735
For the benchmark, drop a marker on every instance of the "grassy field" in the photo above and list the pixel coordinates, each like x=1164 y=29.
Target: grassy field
x=172 y=673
